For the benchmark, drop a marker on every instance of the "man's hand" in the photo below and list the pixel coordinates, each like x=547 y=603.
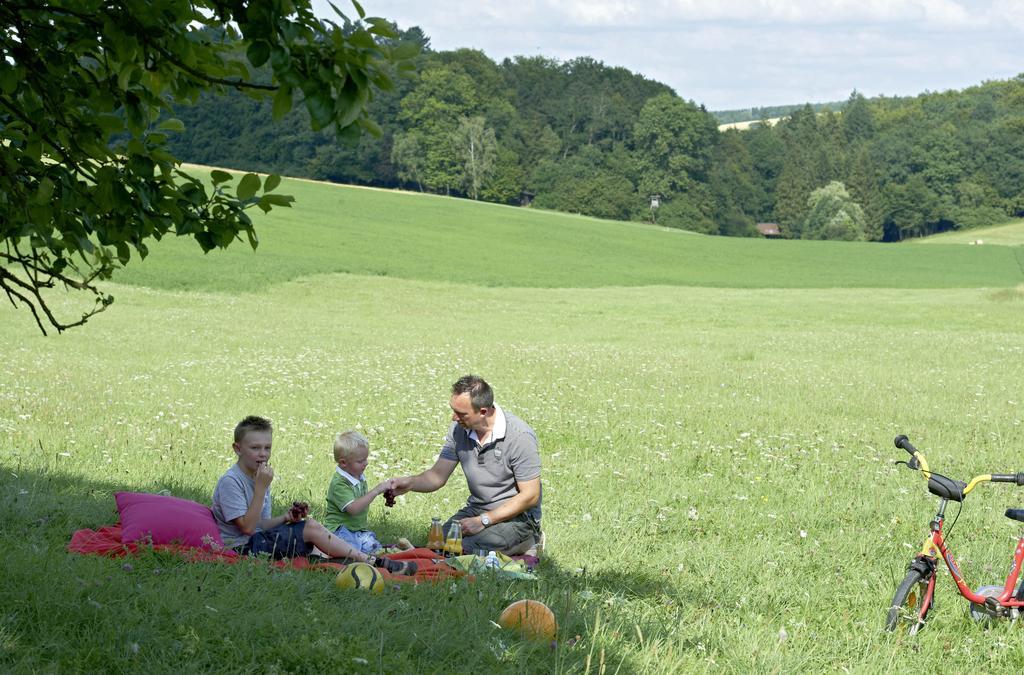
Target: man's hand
x=399 y=486
x=471 y=525
x=264 y=476
x=297 y=512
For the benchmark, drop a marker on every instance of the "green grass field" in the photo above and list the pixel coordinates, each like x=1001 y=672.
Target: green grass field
x=715 y=416
x=1007 y=234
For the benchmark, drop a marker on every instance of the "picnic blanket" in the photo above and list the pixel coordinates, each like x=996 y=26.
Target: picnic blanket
x=106 y=541
x=503 y=566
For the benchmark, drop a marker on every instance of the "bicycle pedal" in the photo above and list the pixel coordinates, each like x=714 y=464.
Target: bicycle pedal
x=995 y=608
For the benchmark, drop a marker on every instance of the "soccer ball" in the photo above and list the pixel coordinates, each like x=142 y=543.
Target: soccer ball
x=531 y=618
x=361 y=576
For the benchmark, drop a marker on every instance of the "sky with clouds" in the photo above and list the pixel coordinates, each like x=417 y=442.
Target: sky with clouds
x=742 y=53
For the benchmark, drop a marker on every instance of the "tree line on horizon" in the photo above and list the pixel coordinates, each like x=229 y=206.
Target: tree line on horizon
x=583 y=137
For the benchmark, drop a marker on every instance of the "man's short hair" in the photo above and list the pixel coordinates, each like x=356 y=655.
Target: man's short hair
x=480 y=393
x=347 y=442
x=252 y=423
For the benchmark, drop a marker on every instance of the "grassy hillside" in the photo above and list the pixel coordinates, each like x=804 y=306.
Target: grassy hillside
x=1008 y=234
x=336 y=229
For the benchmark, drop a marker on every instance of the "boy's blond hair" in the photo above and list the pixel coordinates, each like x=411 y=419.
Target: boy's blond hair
x=346 y=444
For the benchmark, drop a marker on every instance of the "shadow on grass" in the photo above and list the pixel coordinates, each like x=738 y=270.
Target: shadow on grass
x=87 y=612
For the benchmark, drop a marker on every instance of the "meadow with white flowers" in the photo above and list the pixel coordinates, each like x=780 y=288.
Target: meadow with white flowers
x=715 y=418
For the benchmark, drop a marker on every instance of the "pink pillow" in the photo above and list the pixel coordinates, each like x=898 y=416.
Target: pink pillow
x=166 y=520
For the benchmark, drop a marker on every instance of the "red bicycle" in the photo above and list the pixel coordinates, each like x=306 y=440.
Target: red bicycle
x=915 y=596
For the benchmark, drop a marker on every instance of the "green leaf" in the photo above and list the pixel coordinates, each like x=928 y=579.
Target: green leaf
x=348 y=135
x=277 y=200
x=258 y=52
x=172 y=124
x=271 y=182
x=136 y=121
x=338 y=11
x=45 y=191
x=110 y=124
x=361 y=38
x=359 y=9
x=370 y=127
x=248 y=186
x=321 y=110
x=206 y=241
x=9 y=78
x=280 y=59
x=282 y=102
x=34 y=148
x=124 y=254
x=381 y=27
x=352 y=99
x=125 y=76
x=218 y=176
x=406 y=50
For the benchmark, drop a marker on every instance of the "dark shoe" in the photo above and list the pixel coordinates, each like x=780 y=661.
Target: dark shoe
x=401 y=567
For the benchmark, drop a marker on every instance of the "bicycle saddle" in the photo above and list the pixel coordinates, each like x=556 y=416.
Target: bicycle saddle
x=1015 y=514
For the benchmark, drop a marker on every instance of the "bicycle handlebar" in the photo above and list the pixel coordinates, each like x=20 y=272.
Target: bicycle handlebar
x=903 y=442
x=1017 y=478
x=917 y=461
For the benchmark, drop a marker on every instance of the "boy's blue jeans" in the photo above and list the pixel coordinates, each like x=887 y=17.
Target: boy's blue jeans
x=363 y=540
x=283 y=541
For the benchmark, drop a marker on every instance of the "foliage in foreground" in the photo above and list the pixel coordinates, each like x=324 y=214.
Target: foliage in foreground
x=76 y=75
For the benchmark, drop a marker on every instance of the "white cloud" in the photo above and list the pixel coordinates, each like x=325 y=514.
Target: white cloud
x=937 y=13
x=1010 y=11
x=738 y=53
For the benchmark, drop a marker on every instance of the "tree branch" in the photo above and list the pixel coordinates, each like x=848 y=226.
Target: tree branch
x=199 y=75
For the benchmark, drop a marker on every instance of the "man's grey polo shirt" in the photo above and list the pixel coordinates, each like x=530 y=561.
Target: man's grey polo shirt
x=493 y=469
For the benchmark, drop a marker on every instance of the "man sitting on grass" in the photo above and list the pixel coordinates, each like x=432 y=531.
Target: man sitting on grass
x=499 y=457
x=241 y=507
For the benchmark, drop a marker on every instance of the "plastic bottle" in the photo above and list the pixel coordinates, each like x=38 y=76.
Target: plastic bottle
x=435 y=539
x=491 y=561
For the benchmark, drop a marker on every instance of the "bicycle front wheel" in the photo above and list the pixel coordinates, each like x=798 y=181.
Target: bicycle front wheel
x=911 y=603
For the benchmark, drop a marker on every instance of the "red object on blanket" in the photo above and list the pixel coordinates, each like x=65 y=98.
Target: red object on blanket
x=106 y=541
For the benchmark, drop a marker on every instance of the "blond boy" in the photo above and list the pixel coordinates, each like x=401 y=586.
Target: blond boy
x=348 y=498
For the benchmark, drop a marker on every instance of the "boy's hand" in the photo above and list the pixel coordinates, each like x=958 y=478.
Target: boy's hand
x=388 y=491
x=264 y=475
x=298 y=511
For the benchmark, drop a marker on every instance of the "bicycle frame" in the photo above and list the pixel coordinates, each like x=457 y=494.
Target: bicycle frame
x=935 y=543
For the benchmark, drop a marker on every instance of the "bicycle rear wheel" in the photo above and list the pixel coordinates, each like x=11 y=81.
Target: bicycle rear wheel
x=911 y=603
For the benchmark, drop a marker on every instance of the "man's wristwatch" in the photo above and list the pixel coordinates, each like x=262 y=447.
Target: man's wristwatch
x=485 y=520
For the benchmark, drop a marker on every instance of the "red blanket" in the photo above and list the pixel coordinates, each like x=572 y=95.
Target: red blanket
x=106 y=541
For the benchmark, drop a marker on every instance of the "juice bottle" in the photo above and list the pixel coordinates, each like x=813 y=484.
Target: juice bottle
x=435 y=539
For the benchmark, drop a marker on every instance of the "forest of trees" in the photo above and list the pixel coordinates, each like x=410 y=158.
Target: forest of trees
x=771 y=112
x=583 y=137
